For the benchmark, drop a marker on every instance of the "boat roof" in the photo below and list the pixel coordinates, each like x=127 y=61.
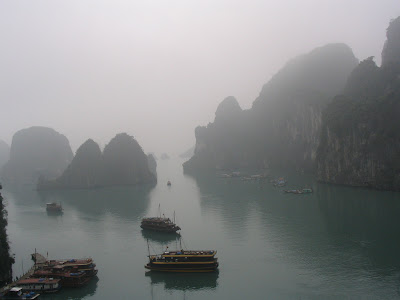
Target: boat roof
x=206 y=253
x=16 y=289
x=38 y=280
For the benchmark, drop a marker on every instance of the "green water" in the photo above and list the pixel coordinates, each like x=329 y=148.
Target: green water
x=337 y=243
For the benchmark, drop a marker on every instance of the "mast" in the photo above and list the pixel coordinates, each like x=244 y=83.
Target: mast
x=148 y=248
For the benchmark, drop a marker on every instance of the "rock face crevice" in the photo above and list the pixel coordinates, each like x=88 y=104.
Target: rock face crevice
x=283 y=126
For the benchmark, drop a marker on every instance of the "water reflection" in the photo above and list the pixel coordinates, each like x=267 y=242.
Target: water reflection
x=127 y=202
x=367 y=218
x=185 y=281
x=163 y=238
x=74 y=293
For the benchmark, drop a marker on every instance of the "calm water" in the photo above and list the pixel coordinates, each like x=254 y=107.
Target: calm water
x=338 y=243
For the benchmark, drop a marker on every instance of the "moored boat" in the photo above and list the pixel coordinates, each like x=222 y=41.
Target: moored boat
x=17 y=293
x=159 y=224
x=43 y=285
x=184 y=261
x=54 y=207
x=68 y=279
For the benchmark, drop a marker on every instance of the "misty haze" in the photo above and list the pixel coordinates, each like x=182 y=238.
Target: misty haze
x=199 y=149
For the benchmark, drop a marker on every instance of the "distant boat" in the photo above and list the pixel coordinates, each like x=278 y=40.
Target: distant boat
x=169 y=183
x=54 y=207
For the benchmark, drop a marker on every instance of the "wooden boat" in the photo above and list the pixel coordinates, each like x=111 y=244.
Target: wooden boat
x=85 y=265
x=159 y=224
x=17 y=293
x=184 y=261
x=68 y=279
x=54 y=207
x=44 y=285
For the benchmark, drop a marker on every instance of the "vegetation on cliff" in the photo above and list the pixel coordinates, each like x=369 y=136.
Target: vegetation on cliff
x=6 y=260
x=122 y=162
x=36 y=152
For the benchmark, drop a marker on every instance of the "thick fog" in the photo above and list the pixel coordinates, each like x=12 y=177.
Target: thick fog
x=157 y=69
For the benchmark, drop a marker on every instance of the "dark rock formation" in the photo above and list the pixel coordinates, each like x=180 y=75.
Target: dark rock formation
x=37 y=152
x=6 y=260
x=122 y=162
x=4 y=153
x=152 y=163
x=391 y=49
x=283 y=126
x=85 y=170
x=360 y=140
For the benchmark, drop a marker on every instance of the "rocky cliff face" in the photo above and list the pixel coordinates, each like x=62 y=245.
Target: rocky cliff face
x=391 y=49
x=360 y=140
x=122 y=162
x=85 y=170
x=36 y=152
x=152 y=163
x=6 y=260
x=283 y=126
x=4 y=153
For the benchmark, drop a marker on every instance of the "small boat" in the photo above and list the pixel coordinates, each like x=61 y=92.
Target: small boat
x=17 y=293
x=184 y=261
x=307 y=190
x=44 y=285
x=54 y=207
x=169 y=183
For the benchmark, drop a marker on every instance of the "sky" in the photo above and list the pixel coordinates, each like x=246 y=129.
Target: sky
x=158 y=69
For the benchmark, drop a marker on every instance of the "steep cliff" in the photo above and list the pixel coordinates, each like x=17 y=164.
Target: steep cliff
x=360 y=139
x=85 y=170
x=4 y=153
x=391 y=49
x=36 y=152
x=152 y=163
x=283 y=126
x=6 y=260
x=122 y=162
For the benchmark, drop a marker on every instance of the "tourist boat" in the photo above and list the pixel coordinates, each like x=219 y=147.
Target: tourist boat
x=159 y=224
x=85 y=264
x=184 y=261
x=169 y=183
x=44 y=285
x=68 y=279
x=17 y=293
x=54 y=207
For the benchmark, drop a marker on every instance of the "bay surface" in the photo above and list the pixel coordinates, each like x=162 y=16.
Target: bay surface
x=337 y=243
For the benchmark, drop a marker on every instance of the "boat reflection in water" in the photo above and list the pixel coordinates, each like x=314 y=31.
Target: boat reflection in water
x=185 y=281
x=160 y=237
x=76 y=294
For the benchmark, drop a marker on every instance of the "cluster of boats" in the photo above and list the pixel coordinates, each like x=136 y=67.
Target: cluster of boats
x=177 y=260
x=279 y=182
x=300 y=191
x=51 y=276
